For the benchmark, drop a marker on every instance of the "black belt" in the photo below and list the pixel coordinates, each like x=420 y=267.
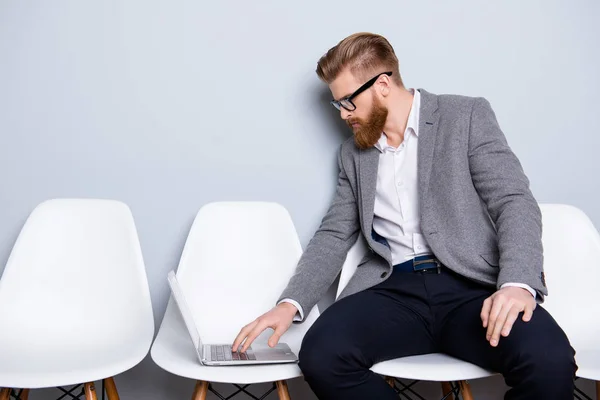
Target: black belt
x=425 y=264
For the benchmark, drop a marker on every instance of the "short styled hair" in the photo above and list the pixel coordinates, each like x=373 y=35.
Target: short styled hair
x=364 y=53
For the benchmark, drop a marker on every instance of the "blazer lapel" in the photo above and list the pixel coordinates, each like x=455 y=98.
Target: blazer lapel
x=369 y=165
x=428 y=126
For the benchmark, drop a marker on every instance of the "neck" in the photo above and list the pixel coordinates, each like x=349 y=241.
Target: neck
x=399 y=105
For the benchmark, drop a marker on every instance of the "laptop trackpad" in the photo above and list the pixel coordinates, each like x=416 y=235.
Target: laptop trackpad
x=281 y=351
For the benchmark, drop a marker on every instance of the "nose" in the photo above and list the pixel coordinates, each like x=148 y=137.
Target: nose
x=344 y=114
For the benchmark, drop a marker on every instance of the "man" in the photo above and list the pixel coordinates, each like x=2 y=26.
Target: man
x=455 y=236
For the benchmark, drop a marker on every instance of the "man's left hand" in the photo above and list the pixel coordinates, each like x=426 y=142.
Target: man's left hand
x=501 y=310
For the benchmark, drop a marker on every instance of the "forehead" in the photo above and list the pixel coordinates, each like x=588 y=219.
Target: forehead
x=344 y=84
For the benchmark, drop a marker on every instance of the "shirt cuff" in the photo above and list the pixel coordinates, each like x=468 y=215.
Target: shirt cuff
x=300 y=314
x=520 y=285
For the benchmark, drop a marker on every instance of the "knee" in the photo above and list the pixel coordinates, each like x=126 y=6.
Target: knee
x=550 y=365
x=314 y=352
x=323 y=353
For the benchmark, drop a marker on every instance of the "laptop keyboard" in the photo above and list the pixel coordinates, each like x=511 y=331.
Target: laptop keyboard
x=224 y=353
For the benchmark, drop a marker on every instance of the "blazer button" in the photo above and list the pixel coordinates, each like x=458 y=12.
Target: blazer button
x=383 y=274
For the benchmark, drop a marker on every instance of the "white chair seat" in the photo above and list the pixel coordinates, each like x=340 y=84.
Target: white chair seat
x=40 y=365
x=435 y=367
x=588 y=362
x=174 y=352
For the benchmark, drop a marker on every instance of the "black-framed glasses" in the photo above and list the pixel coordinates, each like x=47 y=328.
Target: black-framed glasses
x=347 y=103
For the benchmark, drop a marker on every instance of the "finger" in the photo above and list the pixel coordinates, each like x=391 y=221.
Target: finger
x=258 y=329
x=510 y=321
x=274 y=339
x=499 y=324
x=496 y=309
x=485 y=311
x=528 y=313
x=242 y=335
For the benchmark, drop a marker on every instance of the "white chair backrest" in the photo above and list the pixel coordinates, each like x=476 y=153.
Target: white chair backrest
x=237 y=260
x=355 y=254
x=572 y=270
x=76 y=277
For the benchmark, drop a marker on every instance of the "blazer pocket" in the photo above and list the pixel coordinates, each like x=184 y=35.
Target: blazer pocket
x=492 y=258
x=365 y=259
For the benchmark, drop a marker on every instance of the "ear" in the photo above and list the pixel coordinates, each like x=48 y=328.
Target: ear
x=383 y=85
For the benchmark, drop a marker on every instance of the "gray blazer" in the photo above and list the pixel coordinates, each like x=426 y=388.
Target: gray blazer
x=477 y=212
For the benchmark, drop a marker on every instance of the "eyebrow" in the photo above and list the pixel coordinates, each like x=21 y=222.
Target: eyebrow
x=343 y=97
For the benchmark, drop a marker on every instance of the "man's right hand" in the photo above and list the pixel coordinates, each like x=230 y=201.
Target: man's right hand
x=278 y=318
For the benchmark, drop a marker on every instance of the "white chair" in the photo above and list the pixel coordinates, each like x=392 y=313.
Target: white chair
x=430 y=367
x=236 y=261
x=572 y=269
x=74 y=299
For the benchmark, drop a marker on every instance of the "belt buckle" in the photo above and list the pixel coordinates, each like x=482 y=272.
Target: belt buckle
x=433 y=260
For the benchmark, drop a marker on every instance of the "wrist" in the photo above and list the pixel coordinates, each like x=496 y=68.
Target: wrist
x=528 y=292
x=289 y=307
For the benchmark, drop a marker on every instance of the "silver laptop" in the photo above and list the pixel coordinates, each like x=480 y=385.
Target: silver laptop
x=222 y=354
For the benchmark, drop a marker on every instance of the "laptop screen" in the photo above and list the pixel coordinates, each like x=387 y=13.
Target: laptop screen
x=185 y=311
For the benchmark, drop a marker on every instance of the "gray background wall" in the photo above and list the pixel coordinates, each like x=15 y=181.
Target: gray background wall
x=167 y=105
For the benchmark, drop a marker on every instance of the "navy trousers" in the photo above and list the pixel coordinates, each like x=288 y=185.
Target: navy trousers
x=419 y=313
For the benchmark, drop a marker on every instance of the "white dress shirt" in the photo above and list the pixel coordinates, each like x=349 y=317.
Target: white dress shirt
x=397 y=195
x=397 y=198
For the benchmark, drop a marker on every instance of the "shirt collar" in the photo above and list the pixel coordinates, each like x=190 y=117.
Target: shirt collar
x=411 y=124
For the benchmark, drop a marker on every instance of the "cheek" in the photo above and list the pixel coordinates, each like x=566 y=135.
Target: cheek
x=362 y=116
x=363 y=106
x=362 y=113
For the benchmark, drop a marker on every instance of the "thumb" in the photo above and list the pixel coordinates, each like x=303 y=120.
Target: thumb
x=527 y=314
x=485 y=311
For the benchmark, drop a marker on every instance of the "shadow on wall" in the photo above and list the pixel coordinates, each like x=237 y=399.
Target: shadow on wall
x=335 y=124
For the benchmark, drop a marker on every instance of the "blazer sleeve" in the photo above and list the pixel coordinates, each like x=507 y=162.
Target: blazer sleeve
x=501 y=183
x=326 y=252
